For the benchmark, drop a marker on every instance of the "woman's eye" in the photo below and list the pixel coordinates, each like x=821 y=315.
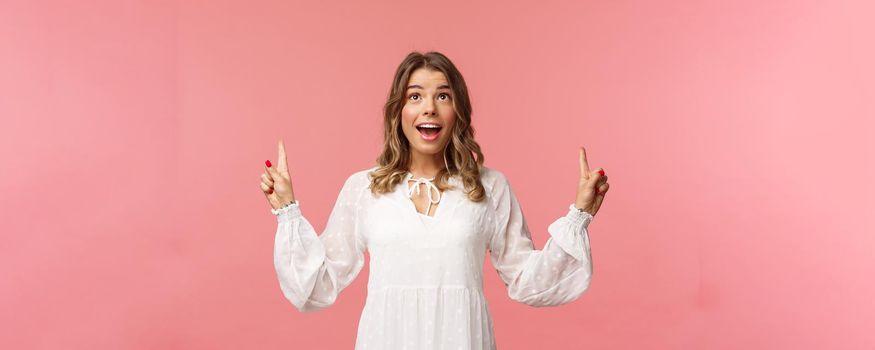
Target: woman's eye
x=413 y=95
x=445 y=96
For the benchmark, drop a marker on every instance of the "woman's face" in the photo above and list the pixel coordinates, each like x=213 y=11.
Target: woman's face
x=428 y=117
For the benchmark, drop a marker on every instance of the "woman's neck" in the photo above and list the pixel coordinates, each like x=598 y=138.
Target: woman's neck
x=425 y=165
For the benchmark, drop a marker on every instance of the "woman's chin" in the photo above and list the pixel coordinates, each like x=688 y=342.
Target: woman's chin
x=429 y=149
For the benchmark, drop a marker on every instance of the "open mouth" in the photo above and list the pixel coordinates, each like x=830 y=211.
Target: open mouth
x=429 y=131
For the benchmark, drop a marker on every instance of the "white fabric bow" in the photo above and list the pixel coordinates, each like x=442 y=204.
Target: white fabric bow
x=429 y=186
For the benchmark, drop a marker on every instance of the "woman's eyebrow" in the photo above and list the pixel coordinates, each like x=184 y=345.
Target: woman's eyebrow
x=414 y=86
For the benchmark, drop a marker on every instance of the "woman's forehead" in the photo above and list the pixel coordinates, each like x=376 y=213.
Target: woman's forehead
x=427 y=78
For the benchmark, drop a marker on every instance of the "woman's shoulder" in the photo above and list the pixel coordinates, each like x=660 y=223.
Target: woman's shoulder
x=492 y=178
x=361 y=177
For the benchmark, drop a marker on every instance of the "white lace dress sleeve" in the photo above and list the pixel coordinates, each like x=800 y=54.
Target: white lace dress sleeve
x=313 y=269
x=555 y=275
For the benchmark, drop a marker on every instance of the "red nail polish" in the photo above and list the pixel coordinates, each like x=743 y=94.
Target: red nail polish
x=602 y=172
x=270 y=191
x=267 y=162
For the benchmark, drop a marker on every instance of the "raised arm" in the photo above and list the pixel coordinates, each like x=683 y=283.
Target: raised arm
x=562 y=271
x=313 y=269
x=555 y=275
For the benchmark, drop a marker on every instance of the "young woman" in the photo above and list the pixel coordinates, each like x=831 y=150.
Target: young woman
x=427 y=214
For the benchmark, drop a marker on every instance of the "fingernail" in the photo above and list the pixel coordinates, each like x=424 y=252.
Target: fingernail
x=602 y=172
x=270 y=191
x=267 y=162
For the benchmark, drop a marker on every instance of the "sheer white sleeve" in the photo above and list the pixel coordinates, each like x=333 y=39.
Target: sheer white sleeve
x=555 y=275
x=312 y=270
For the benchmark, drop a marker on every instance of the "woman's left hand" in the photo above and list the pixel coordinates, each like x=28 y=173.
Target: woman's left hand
x=591 y=188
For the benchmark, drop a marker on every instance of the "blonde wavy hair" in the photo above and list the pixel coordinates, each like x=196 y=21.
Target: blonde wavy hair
x=461 y=149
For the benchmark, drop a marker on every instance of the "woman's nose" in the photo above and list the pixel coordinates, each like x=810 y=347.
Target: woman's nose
x=429 y=108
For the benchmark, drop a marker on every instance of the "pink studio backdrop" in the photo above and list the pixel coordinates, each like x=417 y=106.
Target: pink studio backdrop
x=737 y=135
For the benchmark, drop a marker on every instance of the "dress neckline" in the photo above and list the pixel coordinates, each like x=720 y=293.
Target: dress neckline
x=448 y=200
x=430 y=188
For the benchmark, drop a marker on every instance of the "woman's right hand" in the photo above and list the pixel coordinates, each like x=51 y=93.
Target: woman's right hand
x=276 y=183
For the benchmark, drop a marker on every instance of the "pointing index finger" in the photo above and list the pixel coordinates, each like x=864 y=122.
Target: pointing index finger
x=584 y=165
x=282 y=162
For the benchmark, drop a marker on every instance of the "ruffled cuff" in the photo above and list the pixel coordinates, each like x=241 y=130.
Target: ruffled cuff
x=578 y=217
x=289 y=212
x=569 y=232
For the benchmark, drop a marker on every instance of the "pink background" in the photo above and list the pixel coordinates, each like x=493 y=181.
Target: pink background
x=737 y=135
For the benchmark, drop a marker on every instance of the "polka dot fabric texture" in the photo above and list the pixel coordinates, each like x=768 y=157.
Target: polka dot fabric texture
x=425 y=287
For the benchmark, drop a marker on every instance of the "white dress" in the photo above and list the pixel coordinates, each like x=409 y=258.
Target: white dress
x=425 y=287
